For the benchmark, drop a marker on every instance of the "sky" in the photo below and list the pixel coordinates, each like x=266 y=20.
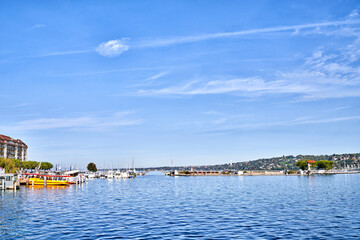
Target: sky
x=189 y=82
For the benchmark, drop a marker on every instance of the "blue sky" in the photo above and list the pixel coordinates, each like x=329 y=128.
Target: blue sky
x=196 y=82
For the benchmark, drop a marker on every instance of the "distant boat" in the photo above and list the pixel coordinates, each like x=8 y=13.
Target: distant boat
x=125 y=175
x=91 y=176
x=117 y=174
x=110 y=174
x=120 y=175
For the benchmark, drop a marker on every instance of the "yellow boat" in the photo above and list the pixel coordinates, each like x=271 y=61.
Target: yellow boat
x=51 y=180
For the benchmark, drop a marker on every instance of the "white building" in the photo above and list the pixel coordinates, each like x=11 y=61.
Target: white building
x=12 y=148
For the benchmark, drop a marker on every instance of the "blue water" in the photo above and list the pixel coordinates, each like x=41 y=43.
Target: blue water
x=159 y=207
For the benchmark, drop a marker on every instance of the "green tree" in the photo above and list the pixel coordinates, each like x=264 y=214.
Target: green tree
x=8 y=164
x=92 y=167
x=29 y=165
x=302 y=164
x=46 y=166
x=17 y=163
x=25 y=165
x=325 y=164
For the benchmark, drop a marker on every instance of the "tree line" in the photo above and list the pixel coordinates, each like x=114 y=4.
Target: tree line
x=12 y=165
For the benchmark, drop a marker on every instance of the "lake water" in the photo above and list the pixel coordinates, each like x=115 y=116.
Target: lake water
x=159 y=207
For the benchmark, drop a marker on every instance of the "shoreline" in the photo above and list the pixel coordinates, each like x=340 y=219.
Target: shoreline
x=260 y=174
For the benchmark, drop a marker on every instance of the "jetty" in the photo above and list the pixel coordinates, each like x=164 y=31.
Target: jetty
x=8 y=181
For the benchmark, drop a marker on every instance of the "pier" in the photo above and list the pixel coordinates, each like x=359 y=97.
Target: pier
x=8 y=181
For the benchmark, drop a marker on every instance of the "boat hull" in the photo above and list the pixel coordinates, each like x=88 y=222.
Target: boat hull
x=48 y=182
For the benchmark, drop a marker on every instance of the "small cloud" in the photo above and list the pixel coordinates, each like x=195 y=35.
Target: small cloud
x=212 y=113
x=296 y=31
x=60 y=53
x=317 y=54
x=112 y=48
x=157 y=76
x=354 y=14
x=37 y=26
x=339 y=108
x=220 y=121
x=20 y=105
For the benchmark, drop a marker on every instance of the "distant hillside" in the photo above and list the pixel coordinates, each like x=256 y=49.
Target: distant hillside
x=352 y=161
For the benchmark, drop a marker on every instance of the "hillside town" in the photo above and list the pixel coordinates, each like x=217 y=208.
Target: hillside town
x=346 y=161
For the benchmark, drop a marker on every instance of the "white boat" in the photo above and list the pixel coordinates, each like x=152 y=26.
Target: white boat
x=120 y=175
x=74 y=176
x=125 y=175
x=117 y=174
x=110 y=174
x=91 y=176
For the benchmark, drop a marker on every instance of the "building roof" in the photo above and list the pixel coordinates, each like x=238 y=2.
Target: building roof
x=4 y=139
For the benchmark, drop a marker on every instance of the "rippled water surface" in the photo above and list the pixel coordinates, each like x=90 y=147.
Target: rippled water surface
x=159 y=207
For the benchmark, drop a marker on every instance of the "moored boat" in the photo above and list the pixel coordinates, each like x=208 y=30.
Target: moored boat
x=54 y=180
x=110 y=174
x=74 y=177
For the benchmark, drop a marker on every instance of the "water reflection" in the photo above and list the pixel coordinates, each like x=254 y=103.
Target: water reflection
x=46 y=187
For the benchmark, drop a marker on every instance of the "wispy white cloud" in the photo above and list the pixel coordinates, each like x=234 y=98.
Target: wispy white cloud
x=220 y=120
x=203 y=37
x=51 y=54
x=264 y=125
x=335 y=72
x=349 y=30
x=85 y=122
x=325 y=120
x=151 y=80
x=238 y=85
x=345 y=30
x=116 y=47
x=37 y=26
x=60 y=53
x=20 y=105
x=159 y=75
x=112 y=48
x=47 y=54
x=111 y=71
x=327 y=73
x=354 y=14
x=212 y=113
x=339 y=108
x=306 y=86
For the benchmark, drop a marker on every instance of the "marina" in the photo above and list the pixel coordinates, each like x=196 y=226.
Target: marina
x=11 y=181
